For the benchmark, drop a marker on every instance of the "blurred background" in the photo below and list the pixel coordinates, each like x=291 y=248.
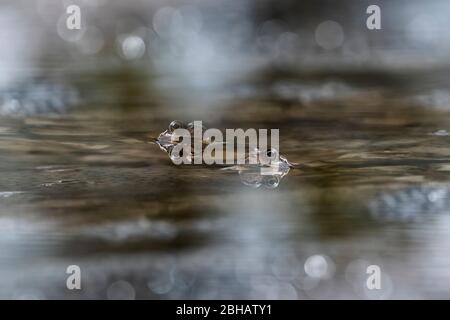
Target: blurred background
x=365 y=113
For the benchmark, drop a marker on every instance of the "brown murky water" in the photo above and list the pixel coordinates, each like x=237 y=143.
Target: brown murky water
x=84 y=186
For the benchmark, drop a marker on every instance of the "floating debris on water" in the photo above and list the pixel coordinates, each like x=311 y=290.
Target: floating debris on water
x=441 y=133
x=7 y=194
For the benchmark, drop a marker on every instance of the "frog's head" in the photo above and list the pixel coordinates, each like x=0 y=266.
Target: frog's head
x=169 y=138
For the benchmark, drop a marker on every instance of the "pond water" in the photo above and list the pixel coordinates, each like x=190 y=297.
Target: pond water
x=82 y=184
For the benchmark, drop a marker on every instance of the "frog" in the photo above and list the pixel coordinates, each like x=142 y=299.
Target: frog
x=253 y=172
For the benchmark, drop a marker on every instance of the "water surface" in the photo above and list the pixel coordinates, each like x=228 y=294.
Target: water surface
x=82 y=184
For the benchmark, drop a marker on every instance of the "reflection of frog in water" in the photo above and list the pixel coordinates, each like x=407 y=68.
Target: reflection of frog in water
x=253 y=172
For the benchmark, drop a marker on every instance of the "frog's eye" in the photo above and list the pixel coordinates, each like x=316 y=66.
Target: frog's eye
x=272 y=182
x=272 y=153
x=175 y=125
